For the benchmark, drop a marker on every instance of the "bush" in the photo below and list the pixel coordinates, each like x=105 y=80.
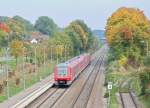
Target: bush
x=106 y=95
x=17 y=81
x=122 y=61
x=147 y=61
x=145 y=80
x=1 y=87
x=5 y=83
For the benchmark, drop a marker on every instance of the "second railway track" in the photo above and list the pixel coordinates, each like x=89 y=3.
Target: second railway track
x=127 y=100
x=82 y=99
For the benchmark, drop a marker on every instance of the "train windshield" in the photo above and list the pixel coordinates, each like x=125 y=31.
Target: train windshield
x=62 y=71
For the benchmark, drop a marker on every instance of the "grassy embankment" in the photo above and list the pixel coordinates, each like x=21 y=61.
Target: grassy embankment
x=30 y=78
x=123 y=80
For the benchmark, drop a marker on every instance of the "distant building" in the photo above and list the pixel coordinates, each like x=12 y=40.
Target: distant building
x=34 y=41
x=37 y=37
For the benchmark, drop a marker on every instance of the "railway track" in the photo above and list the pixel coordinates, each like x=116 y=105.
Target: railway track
x=53 y=96
x=82 y=99
x=79 y=93
x=127 y=100
x=49 y=98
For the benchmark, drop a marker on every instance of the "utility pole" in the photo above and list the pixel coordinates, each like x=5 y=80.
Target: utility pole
x=35 y=63
x=57 y=54
x=24 y=80
x=44 y=59
x=65 y=52
x=7 y=73
x=51 y=54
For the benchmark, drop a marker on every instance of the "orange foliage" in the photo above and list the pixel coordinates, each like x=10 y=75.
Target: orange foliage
x=4 y=27
x=127 y=34
x=127 y=23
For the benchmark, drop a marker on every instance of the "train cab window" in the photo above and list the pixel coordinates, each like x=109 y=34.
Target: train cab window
x=62 y=72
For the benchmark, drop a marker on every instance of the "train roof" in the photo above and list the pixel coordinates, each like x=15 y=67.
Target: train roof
x=72 y=61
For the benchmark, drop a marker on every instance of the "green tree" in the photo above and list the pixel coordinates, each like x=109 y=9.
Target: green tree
x=28 y=27
x=80 y=34
x=3 y=38
x=61 y=42
x=46 y=25
x=75 y=38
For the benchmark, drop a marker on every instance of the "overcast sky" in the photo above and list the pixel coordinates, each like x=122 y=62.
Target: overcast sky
x=93 y=12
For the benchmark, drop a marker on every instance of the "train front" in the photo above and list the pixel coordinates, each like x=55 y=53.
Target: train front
x=62 y=74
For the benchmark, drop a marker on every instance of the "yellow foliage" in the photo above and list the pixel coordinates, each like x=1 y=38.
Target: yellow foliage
x=122 y=61
x=132 y=20
x=16 y=48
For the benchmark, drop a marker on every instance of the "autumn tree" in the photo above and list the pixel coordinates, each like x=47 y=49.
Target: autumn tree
x=17 y=29
x=127 y=31
x=16 y=49
x=4 y=32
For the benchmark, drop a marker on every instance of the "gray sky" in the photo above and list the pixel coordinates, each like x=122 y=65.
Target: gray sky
x=93 y=12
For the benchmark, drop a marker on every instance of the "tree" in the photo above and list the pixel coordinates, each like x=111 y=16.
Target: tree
x=75 y=38
x=16 y=49
x=19 y=28
x=46 y=26
x=3 y=38
x=4 y=31
x=61 y=43
x=125 y=31
x=80 y=34
x=28 y=27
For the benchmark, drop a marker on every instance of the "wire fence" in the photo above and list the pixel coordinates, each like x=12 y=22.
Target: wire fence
x=17 y=74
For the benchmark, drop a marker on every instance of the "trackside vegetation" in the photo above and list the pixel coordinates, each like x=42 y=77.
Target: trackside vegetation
x=128 y=35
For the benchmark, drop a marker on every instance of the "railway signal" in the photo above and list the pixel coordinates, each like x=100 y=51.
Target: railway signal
x=109 y=87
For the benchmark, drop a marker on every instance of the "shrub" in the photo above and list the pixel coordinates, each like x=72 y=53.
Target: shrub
x=122 y=61
x=17 y=81
x=1 y=87
x=106 y=95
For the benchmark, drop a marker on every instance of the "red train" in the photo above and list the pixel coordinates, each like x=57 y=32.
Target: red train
x=65 y=73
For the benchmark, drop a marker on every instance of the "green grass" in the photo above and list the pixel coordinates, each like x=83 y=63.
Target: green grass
x=113 y=98
x=145 y=101
x=2 y=98
x=113 y=75
x=30 y=78
x=15 y=89
x=12 y=63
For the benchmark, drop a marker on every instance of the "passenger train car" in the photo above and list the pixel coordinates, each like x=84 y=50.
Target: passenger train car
x=65 y=73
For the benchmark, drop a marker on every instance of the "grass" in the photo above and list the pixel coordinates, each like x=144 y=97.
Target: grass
x=113 y=99
x=118 y=76
x=12 y=63
x=30 y=79
x=145 y=101
x=2 y=98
